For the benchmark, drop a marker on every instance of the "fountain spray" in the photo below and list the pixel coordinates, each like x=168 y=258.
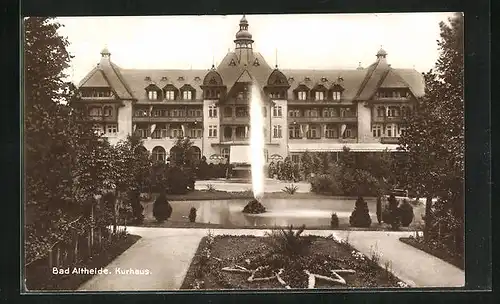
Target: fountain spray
x=257 y=143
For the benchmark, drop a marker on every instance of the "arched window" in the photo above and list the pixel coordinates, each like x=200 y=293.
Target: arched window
x=159 y=154
x=175 y=154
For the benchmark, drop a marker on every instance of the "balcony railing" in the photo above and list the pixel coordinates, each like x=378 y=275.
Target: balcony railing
x=388 y=119
x=310 y=101
x=170 y=101
x=236 y=120
x=322 y=119
x=389 y=140
x=167 y=119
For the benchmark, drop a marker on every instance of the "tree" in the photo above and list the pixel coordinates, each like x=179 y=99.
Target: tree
x=434 y=138
x=183 y=152
x=63 y=157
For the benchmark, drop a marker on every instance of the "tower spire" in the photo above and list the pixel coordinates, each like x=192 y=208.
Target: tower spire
x=276 y=54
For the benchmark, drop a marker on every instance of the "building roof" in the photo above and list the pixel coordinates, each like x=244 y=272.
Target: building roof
x=138 y=81
x=95 y=78
x=351 y=79
x=230 y=73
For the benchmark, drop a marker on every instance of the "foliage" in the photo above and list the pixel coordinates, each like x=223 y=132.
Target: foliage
x=210 y=188
x=334 y=221
x=360 y=217
x=291 y=189
x=325 y=184
x=434 y=136
x=406 y=213
x=183 y=155
x=192 y=214
x=289 y=243
x=161 y=208
x=392 y=215
x=254 y=207
x=178 y=180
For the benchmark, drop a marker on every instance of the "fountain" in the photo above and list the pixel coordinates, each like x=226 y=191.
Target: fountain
x=257 y=149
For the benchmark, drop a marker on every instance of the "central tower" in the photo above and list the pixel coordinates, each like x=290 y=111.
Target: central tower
x=243 y=43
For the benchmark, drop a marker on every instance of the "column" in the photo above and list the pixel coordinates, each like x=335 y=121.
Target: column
x=233 y=133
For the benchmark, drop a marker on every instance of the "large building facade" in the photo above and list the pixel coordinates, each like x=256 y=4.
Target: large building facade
x=314 y=110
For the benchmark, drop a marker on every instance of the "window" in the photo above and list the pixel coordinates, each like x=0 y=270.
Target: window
x=178 y=113
x=393 y=111
x=95 y=111
x=313 y=132
x=142 y=132
x=240 y=132
x=405 y=111
x=377 y=130
x=330 y=112
x=192 y=113
x=294 y=131
x=159 y=154
x=277 y=131
x=140 y=113
x=347 y=112
x=169 y=95
x=225 y=153
x=380 y=111
x=242 y=112
x=160 y=113
x=187 y=95
x=212 y=131
x=295 y=158
x=302 y=95
x=159 y=132
x=111 y=129
x=389 y=131
x=331 y=131
x=98 y=129
x=228 y=112
x=152 y=95
x=195 y=153
x=228 y=133
x=294 y=113
x=212 y=111
x=319 y=95
x=336 y=95
x=348 y=133
x=402 y=131
x=196 y=133
x=311 y=113
x=277 y=111
x=176 y=132
x=108 y=111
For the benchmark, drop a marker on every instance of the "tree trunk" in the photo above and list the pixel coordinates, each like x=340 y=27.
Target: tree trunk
x=115 y=212
x=428 y=206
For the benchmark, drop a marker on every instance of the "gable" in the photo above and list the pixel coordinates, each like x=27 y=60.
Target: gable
x=96 y=80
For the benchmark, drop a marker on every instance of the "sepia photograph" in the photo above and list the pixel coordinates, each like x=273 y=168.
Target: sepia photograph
x=243 y=152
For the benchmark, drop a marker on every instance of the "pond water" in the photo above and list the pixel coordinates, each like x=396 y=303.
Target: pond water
x=280 y=212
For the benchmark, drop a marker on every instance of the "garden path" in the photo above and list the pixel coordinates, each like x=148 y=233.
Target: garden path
x=270 y=185
x=167 y=253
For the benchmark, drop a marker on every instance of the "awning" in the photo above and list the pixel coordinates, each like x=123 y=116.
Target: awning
x=339 y=147
x=240 y=155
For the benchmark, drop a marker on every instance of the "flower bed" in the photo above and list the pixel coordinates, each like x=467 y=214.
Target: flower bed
x=436 y=249
x=249 y=262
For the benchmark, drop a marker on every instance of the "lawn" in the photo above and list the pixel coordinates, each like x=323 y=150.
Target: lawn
x=251 y=262
x=436 y=249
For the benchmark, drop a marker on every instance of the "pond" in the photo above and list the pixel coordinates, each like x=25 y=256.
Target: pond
x=280 y=212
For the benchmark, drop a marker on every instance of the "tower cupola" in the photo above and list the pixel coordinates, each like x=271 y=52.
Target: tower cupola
x=243 y=37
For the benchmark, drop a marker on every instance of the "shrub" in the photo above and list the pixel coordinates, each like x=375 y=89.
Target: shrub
x=406 y=213
x=288 y=243
x=392 y=214
x=360 y=217
x=325 y=184
x=162 y=209
x=210 y=188
x=178 y=181
x=290 y=189
x=192 y=214
x=254 y=207
x=137 y=209
x=334 y=222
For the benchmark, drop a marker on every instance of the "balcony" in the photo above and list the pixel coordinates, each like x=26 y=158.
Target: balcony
x=309 y=102
x=322 y=119
x=233 y=120
x=388 y=119
x=167 y=119
x=104 y=118
x=389 y=140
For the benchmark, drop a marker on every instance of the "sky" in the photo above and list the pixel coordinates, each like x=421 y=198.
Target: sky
x=312 y=41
